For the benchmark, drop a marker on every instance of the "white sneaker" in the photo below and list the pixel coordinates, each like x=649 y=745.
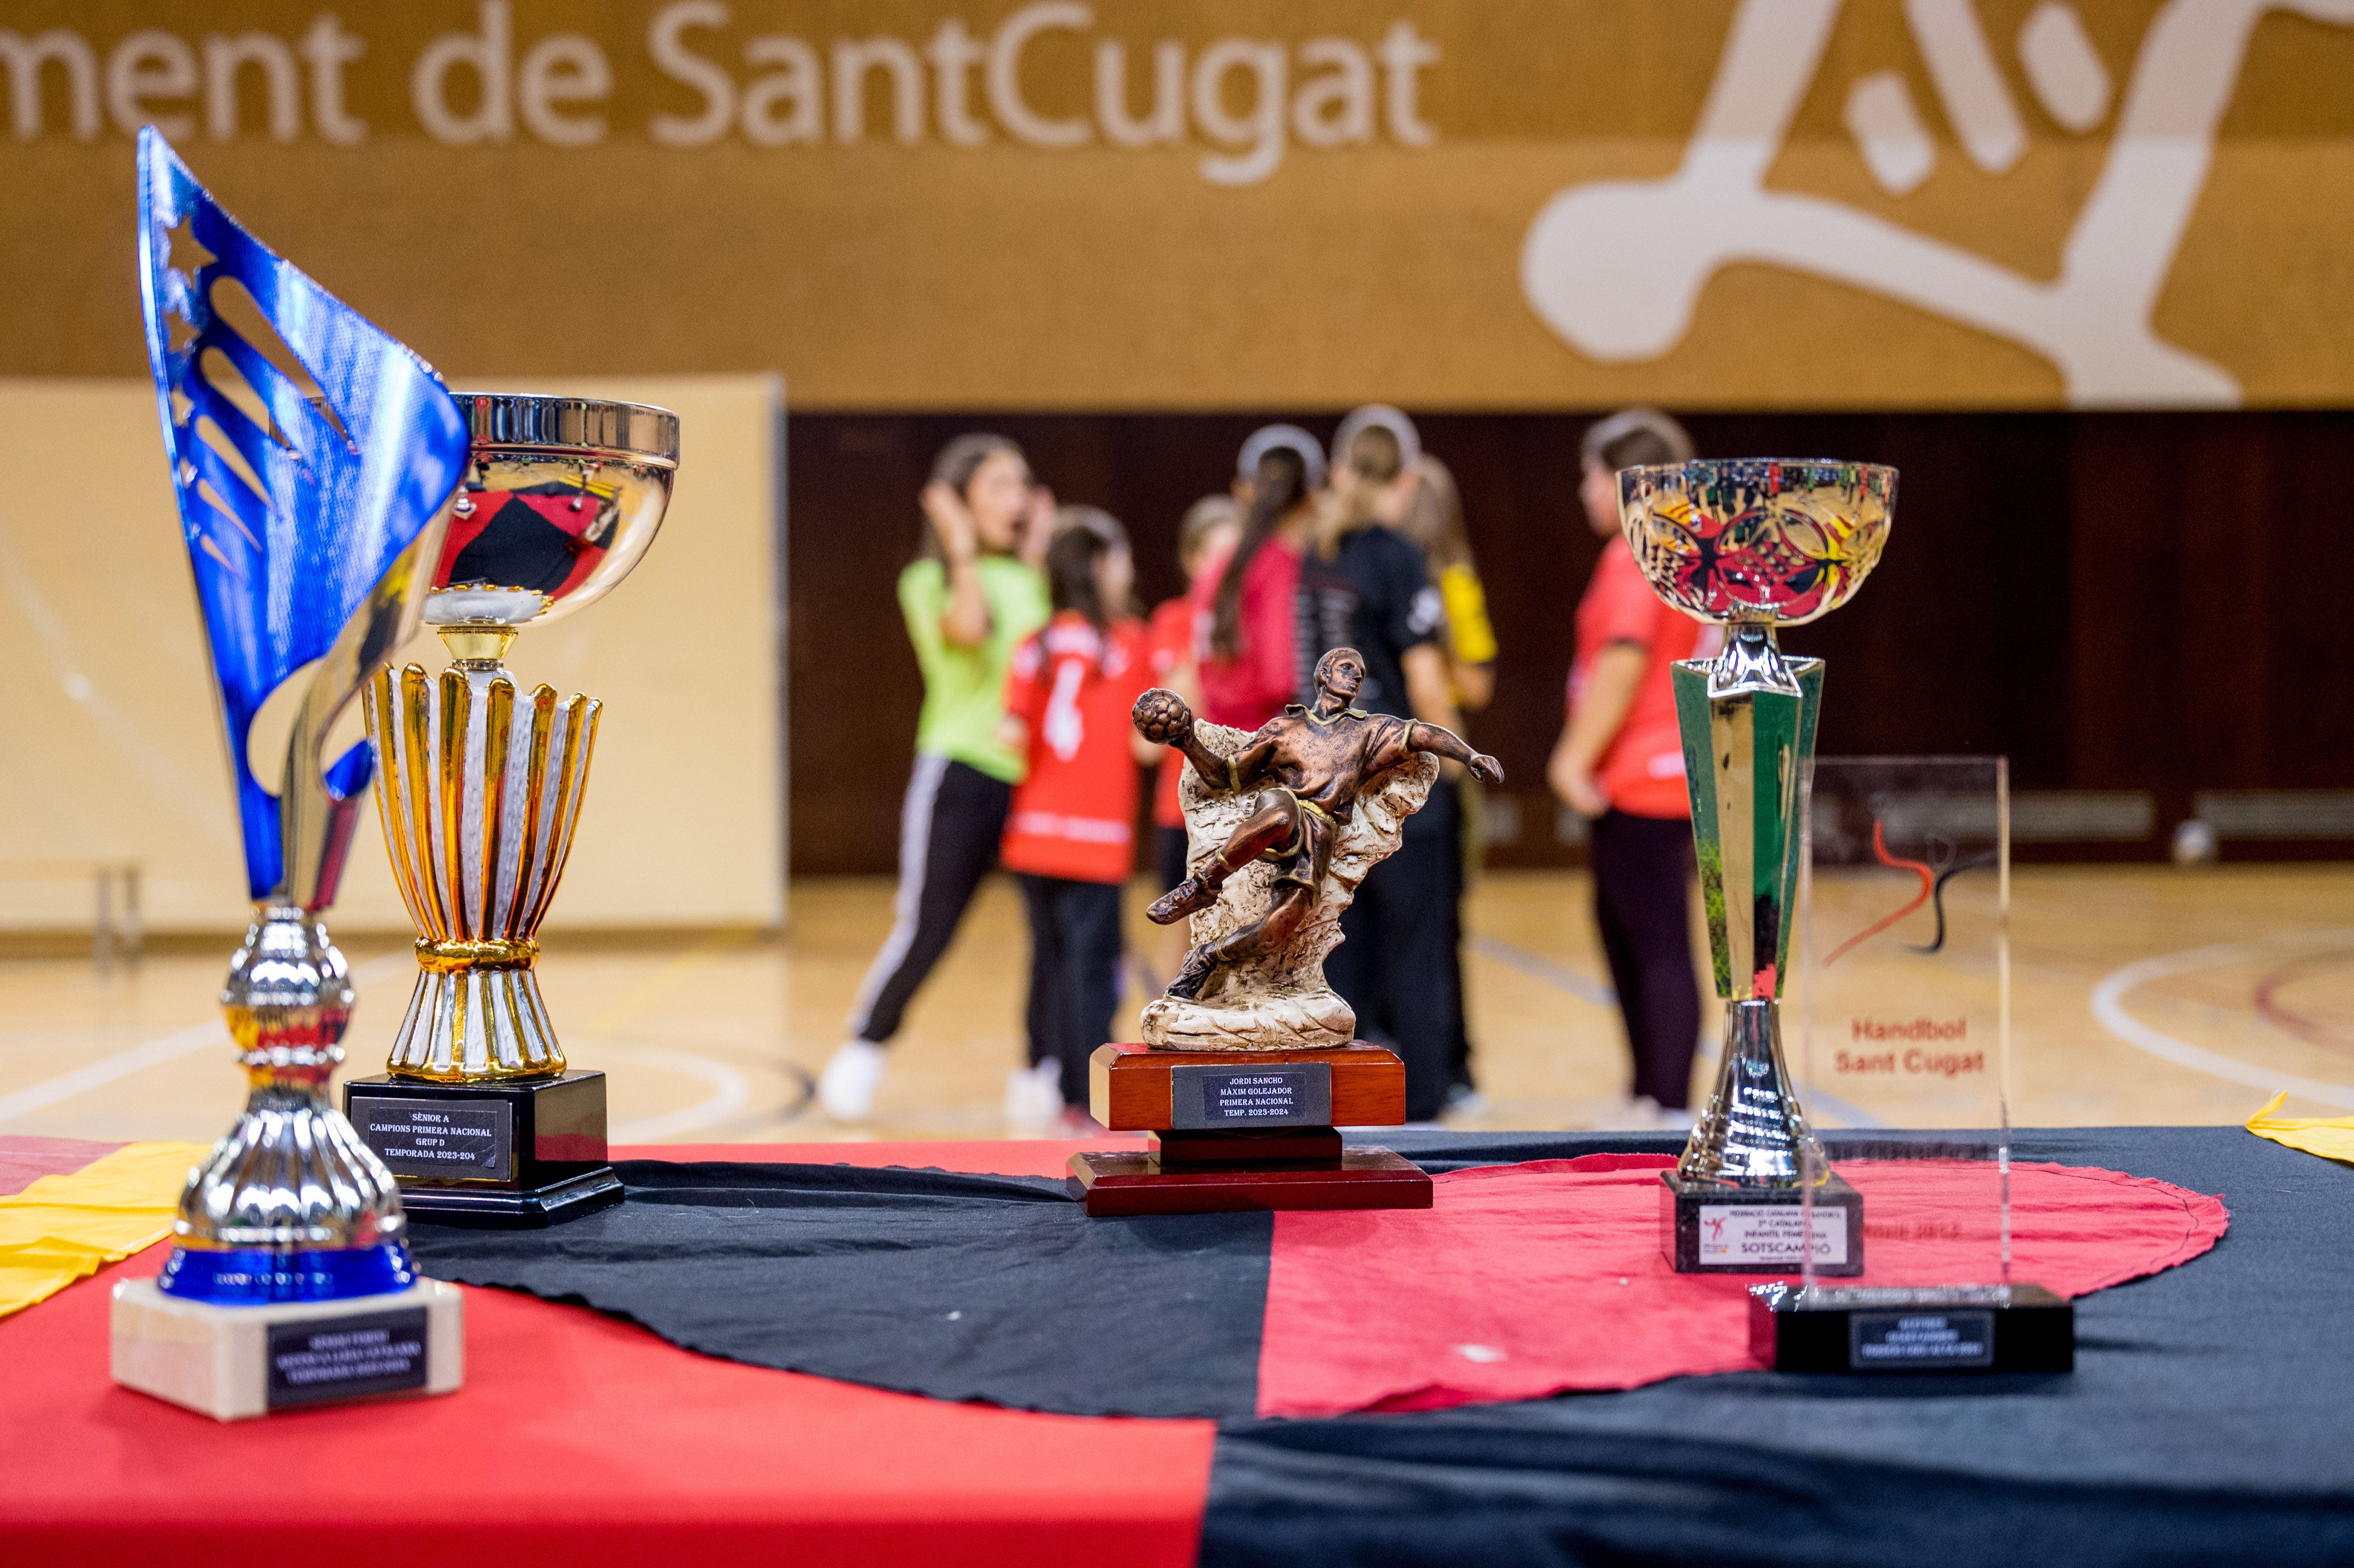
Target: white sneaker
x=1033 y=1098
x=1635 y=1113
x=1463 y=1100
x=846 y=1088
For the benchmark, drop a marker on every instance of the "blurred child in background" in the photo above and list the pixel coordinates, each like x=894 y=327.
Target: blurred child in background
x=1432 y=517
x=1620 y=761
x=1365 y=586
x=1204 y=539
x=1070 y=837
x=1250 y=661
x=969 y=599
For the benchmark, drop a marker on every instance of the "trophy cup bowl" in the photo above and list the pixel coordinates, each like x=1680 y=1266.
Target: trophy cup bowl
x=1751 y=545
x=562 y=499
x=1780 y=540
x=477 y=1111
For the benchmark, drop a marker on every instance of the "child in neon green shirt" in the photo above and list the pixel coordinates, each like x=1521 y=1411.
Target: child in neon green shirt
x=970 y=602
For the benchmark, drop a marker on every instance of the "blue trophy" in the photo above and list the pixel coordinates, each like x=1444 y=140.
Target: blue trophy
x=315 y=458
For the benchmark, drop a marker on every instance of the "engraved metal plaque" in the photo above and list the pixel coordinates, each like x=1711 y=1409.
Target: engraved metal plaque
x=1255 y=1096
x=1766 y=1236
x=346 y=1358
x=1931 y=1338
x=439 y=1139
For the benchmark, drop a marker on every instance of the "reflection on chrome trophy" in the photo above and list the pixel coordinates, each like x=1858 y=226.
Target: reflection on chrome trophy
x=1752 y=545
x=480 y=788
x=311 y=518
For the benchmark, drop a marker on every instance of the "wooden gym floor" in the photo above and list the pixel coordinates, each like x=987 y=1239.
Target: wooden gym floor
x=2141 y=995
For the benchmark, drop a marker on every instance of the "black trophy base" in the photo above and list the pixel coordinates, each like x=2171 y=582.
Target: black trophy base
x=1708 y=1229
x=517 y=1154
x=1907 y=1328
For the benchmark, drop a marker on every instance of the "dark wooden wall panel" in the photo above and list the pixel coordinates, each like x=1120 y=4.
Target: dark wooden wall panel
x=2115 y=601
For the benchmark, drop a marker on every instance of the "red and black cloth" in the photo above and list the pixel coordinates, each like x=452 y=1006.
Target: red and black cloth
x=1526 y=1278
x=2208 y=1419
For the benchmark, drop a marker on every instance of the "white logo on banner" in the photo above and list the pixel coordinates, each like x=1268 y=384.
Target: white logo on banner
x=1616 y=267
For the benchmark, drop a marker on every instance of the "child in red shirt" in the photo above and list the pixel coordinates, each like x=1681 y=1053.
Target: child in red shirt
x=1249 y=658
x=1620 y=763
x=1070 y=836
x=1204 y=539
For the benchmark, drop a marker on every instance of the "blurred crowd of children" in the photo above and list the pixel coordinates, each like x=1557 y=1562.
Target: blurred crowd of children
x=1033 y=653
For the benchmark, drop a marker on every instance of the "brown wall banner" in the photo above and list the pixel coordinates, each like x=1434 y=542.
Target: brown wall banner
x=1212 y=204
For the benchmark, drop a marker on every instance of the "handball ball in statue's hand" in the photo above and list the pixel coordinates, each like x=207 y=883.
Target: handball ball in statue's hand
x=1161 y=715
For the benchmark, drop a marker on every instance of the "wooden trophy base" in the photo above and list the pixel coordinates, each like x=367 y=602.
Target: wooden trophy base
x=1239 y=1132
x=1906 y=1328
x=1708 y=1229
x=231 y=1363
x=515 y=1154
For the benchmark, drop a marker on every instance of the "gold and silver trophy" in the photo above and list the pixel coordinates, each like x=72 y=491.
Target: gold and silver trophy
x=479 y=787
x=312 y=516
x=1752 y=545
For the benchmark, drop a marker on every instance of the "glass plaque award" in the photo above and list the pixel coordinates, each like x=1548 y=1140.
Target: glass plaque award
x=1904 y=1047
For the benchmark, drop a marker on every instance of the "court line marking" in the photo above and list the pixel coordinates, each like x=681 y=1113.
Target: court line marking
x=731 y=1092
x=155 y=1052
x=1561 y=977
x=629 y=1005
x=2313 y=1031
x=1536 y=965
x=2110 y=1011
x=106 y=1069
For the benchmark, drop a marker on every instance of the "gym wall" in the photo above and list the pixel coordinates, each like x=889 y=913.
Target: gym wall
x=112 y=746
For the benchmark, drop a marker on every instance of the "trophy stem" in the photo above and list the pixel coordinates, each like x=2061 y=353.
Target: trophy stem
x=290 y=1205
x=1747 y=719
x=1753 y=1131
x=477 y=646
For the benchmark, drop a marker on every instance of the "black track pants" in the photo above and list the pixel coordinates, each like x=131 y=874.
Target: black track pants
x=1073 y=973
x=1640 y=867
x=1396 y=962
x=949 y=829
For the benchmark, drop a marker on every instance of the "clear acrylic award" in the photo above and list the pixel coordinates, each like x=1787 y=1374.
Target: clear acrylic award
x=1904 y=1047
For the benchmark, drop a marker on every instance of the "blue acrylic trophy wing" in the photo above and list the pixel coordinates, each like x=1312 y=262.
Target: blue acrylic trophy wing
x=310 y=523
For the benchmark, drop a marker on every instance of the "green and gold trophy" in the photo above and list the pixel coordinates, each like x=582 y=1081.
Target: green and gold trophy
x=479 y=787
x=1752 y=544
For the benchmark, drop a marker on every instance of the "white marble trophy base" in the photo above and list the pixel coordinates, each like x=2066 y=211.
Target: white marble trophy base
x=219 y=1361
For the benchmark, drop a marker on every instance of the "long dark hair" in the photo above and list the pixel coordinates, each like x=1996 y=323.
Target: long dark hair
x=1280 y=485
x=1084 y=535
x=958 y=463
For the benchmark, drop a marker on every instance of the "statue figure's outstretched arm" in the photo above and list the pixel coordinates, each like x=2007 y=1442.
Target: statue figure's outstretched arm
x=1446 y=743
x=1161 y=716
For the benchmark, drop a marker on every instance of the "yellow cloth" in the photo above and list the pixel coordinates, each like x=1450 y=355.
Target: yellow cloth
x=62 y=1228
x=1472 y=634
x=2331 y=1137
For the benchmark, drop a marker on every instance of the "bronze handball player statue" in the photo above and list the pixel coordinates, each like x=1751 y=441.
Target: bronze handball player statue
x=1312 y=764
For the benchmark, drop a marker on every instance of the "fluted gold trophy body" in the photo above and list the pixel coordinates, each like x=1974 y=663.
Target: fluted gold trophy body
x=480 y=795
x=1751 y=545
x=481 y=785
